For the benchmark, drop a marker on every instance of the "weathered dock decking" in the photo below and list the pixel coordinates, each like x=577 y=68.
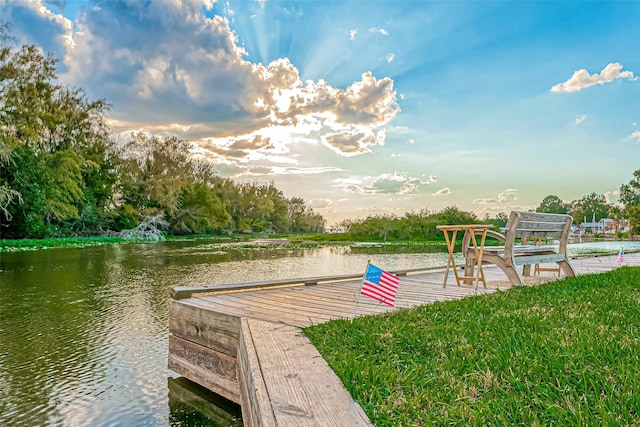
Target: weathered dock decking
x=244 y=341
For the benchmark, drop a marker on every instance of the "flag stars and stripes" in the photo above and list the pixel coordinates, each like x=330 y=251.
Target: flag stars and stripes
x=380 y=285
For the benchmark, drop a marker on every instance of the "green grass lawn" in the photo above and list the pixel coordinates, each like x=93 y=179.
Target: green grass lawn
x=566 y=353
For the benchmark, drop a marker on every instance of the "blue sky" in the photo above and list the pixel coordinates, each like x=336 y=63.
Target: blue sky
x=368 y=107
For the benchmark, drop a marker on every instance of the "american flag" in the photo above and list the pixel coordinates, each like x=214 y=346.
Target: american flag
x=380 y=285
x=621 y=256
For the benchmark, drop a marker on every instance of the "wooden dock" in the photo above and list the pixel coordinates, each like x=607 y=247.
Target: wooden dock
x=244 y=342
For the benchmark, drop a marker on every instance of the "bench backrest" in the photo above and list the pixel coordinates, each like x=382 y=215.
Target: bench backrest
x=529 y=225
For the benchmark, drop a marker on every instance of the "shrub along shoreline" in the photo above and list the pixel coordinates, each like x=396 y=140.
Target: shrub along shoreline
x=563 y=353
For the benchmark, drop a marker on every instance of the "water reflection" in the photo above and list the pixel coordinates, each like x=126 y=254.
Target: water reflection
x=83 y=332
x=192 y=405
x=609 y=247
x=76 y=327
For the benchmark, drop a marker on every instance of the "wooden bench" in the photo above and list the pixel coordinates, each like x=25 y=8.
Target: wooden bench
x=516 y=252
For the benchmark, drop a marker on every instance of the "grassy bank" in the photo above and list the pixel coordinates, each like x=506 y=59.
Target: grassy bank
x=564 y=353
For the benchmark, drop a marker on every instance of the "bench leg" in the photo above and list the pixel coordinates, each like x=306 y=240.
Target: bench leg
x=512 y=273
x=514 y=276
x=526 y=270
x=469 y=268
x=567 y=268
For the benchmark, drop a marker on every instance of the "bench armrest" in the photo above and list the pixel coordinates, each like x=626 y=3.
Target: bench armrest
x=466 y=241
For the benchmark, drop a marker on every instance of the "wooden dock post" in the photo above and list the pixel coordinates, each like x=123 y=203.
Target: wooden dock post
x=203 y=346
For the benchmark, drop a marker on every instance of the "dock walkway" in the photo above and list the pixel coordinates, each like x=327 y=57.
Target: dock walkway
x=244 y=342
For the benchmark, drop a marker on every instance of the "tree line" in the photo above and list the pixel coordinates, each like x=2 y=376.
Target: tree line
x=594 y=206
x=62 y=172
x=422 y=224
x=419 y=225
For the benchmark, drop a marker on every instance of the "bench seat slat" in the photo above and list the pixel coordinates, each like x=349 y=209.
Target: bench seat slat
x=549 y=226
x=495 y=250
x=556 y=235
x=537 y=259
x=540 y=217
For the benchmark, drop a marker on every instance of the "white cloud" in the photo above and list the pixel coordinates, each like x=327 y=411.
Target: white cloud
x=507 y=196
x=166 y=62
x=612 y=197
x=352 y=34
x=442 y=192
x=485 y=201
x=367 y=101
x=635 y=135
x=581 y=79
x=411 y=141
x=381 y=31
x=579 y=119
x=32 y=20
x=279 y=170
x=390 y=57
x=351 y=142
x=389 y=183
x=320 y=203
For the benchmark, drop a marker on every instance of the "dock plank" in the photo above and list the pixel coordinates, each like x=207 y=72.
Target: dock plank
x=302 y=388
x=209 y=368
x=257 y=410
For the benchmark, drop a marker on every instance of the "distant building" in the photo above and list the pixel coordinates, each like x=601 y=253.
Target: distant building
x=605 y=226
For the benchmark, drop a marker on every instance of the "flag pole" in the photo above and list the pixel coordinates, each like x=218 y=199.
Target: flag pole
x=355 y=307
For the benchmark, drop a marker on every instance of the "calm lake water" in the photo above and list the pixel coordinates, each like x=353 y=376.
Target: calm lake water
x=84 y=336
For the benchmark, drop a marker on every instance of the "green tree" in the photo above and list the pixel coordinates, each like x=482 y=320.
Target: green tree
x=153 y=173
x=630 y=193
x=301 y=217
x=7 y=194
x=499 y=221
x=278 y=216
x=296 y=210
x=633 y=214
x=259 y=208
x=552 y=204
x=630 y=199
x=313 y=221
x=591 y=206
x=200 y=211
x=52 y=142
x=453 y=215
